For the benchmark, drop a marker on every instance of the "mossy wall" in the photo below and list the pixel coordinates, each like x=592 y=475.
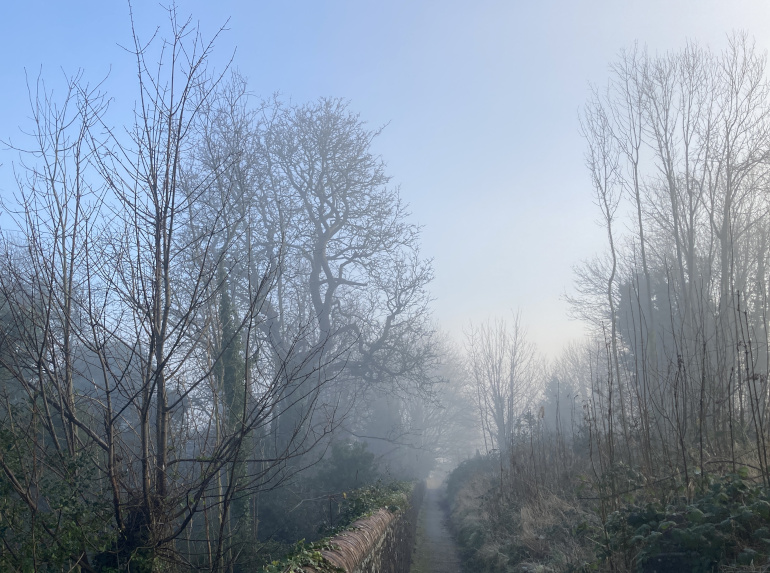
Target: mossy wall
x=380 y=543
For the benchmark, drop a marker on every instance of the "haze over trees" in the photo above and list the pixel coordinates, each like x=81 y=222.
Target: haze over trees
x=680 y=142
x=659 y=420
x=504 y=370
x=215 y=324
x=192 y=309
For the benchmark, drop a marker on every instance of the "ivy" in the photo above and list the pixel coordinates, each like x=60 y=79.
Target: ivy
x=727 y=524
x=305 y=555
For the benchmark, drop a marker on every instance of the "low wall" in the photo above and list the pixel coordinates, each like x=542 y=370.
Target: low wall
x=380 y=543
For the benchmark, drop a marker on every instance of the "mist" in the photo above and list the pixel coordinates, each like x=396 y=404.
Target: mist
x=266 y=269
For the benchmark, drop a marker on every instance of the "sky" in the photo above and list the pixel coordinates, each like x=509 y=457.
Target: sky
x=480 y=101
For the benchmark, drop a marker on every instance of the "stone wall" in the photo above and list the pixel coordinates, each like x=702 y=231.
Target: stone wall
x=380 y=543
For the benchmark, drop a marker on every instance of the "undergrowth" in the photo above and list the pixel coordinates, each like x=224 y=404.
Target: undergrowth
x=719 y=523
x=725 y=524
x=500 y=533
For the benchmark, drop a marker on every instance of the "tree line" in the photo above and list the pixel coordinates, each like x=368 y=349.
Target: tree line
x=645 y=446
x=677 y=148
x=672 y=376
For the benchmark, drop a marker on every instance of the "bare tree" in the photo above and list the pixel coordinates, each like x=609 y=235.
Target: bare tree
x=302 y=181
x=684 y=137
x=504 y=367
x=602 y=159
x=128 y=420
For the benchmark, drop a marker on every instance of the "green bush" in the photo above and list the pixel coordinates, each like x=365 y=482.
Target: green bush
x=727 y=524
x=68 y=509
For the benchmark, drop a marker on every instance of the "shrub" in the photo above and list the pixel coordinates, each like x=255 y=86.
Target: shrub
x=726 y=524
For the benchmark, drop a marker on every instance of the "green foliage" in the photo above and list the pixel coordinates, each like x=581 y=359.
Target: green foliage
x=728 y=523
x=304 y=555
x=69 y=518
x=366 y=500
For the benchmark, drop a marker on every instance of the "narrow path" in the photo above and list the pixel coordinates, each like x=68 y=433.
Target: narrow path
x=435 y=550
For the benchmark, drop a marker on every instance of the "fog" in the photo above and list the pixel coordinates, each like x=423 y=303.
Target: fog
x=481 y=105
x=258 y=259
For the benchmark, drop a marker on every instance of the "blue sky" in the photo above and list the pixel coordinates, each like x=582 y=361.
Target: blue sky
x=481 y=100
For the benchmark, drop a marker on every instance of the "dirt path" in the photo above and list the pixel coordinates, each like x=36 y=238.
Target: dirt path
x=435 y=550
